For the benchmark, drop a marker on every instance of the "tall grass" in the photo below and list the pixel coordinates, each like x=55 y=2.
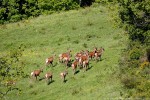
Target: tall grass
x=77 y=30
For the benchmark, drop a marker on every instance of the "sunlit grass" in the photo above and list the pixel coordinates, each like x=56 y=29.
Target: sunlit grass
x=78 y=30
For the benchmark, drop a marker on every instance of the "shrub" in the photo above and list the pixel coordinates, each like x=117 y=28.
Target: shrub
x=143 y=90
x=15 y=18
x=135 y=54
x=129 y=81
x=12 y=10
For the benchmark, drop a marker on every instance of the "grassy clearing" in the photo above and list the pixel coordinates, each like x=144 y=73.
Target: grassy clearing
x=77 y=30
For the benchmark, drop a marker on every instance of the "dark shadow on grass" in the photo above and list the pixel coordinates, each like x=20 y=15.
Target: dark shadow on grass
x=65 y=81
x=55 y=64
x=77 y=72
x=50 y=82
x=89 y=68
x=69 y=63
x=100 y=59
x=41 y=78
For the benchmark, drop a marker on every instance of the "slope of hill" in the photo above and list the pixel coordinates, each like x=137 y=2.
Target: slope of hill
x=77 y=30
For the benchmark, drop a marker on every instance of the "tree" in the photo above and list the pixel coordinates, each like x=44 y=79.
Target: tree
x=136 y=15
x=135 y=67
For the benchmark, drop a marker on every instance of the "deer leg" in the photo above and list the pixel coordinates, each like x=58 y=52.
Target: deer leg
x=52 y=64
x=36 y=77
x=51 y=79
x=64 y=79
x=74 y=71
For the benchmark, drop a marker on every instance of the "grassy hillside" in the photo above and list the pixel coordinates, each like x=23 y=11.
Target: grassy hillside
x=77 y=30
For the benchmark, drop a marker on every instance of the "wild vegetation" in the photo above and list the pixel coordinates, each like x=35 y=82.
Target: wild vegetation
x=123 y=71
x=135 y=66
x=77 y=30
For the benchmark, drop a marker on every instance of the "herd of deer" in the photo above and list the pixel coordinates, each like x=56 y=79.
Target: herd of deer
x=81 y=60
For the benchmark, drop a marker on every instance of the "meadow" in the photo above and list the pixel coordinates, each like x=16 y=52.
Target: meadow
x=77 y=30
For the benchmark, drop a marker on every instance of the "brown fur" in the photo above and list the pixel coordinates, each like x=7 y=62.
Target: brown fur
x=49 y=60
x=36 y=73
x=86 y=64
x=63 y=75
x=74 y=65
x=48 y=76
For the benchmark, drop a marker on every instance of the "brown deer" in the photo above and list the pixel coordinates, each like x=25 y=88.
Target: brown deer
x=99 y=53
x=48 y=77
x=86 y=64
x=36 y=73
x=74 y=66
x=50 y=60
x=64 y=55
x=92 y=53
x=63 y=75
x=78 y=55
x=82 y=59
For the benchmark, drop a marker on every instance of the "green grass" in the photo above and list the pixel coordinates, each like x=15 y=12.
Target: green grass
x=77 y=30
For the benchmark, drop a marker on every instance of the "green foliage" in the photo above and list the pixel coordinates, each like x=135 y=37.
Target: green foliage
x=11 y=70
x=135 y=72
x=136 y=15
x=135 y=54
x=15 y=10
x=103 y=1
x=129 y=81
x=93 y=84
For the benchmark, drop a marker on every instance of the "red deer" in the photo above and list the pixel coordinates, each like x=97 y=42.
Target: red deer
x=50 y=60
x=78 y=55
x=74 y=66
x=63 y=55
x=63 y=75
x=99 y=53
x=36 y=73
x=48 y=77
x=92 y=53
x=86 y=64
x=66 y=60
x=83 y=58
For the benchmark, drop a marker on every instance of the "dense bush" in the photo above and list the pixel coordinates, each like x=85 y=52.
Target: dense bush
x=135 y=54
x=11 y=70
x=135 y=15
x=15 y=10
x=104 y=1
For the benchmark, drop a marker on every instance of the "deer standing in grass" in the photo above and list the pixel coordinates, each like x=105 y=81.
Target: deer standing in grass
x=36 y=73
x=86 y=64
x=78 y=55
x=74 y=66
x=63 y=56
x=91 y=54
x=82 y=59
x=48 y=77
x=63 y=75
x=50 y=60
x=99 y=53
